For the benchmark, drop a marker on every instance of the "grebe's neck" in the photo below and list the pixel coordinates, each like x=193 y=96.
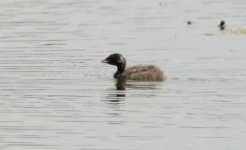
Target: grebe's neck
x=120 y=69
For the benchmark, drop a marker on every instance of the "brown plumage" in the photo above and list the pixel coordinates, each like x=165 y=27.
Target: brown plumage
x=140 y=72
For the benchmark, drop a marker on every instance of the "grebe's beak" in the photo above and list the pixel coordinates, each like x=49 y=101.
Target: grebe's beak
x=104 y=61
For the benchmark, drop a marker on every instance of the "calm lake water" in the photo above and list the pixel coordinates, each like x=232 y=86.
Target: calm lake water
x=56 y=95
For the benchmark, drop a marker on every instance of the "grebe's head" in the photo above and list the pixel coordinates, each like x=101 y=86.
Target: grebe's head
x=115 y=59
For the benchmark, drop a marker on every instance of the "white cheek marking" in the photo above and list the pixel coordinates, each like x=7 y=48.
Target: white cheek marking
x=121 y=59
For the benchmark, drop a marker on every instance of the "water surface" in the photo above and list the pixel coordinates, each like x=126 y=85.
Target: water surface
x=55 y=93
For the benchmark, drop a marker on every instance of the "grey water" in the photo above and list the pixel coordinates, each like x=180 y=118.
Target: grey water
x=55 y=93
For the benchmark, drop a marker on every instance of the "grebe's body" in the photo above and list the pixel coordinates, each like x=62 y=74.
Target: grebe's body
x=140 y=72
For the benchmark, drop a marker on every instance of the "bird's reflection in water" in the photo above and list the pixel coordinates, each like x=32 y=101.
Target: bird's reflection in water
x=118 y=95
x=122 y=87
x=120 y=84
x=136 y=85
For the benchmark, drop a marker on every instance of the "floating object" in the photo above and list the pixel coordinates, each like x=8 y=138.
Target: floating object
x=237 y=30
